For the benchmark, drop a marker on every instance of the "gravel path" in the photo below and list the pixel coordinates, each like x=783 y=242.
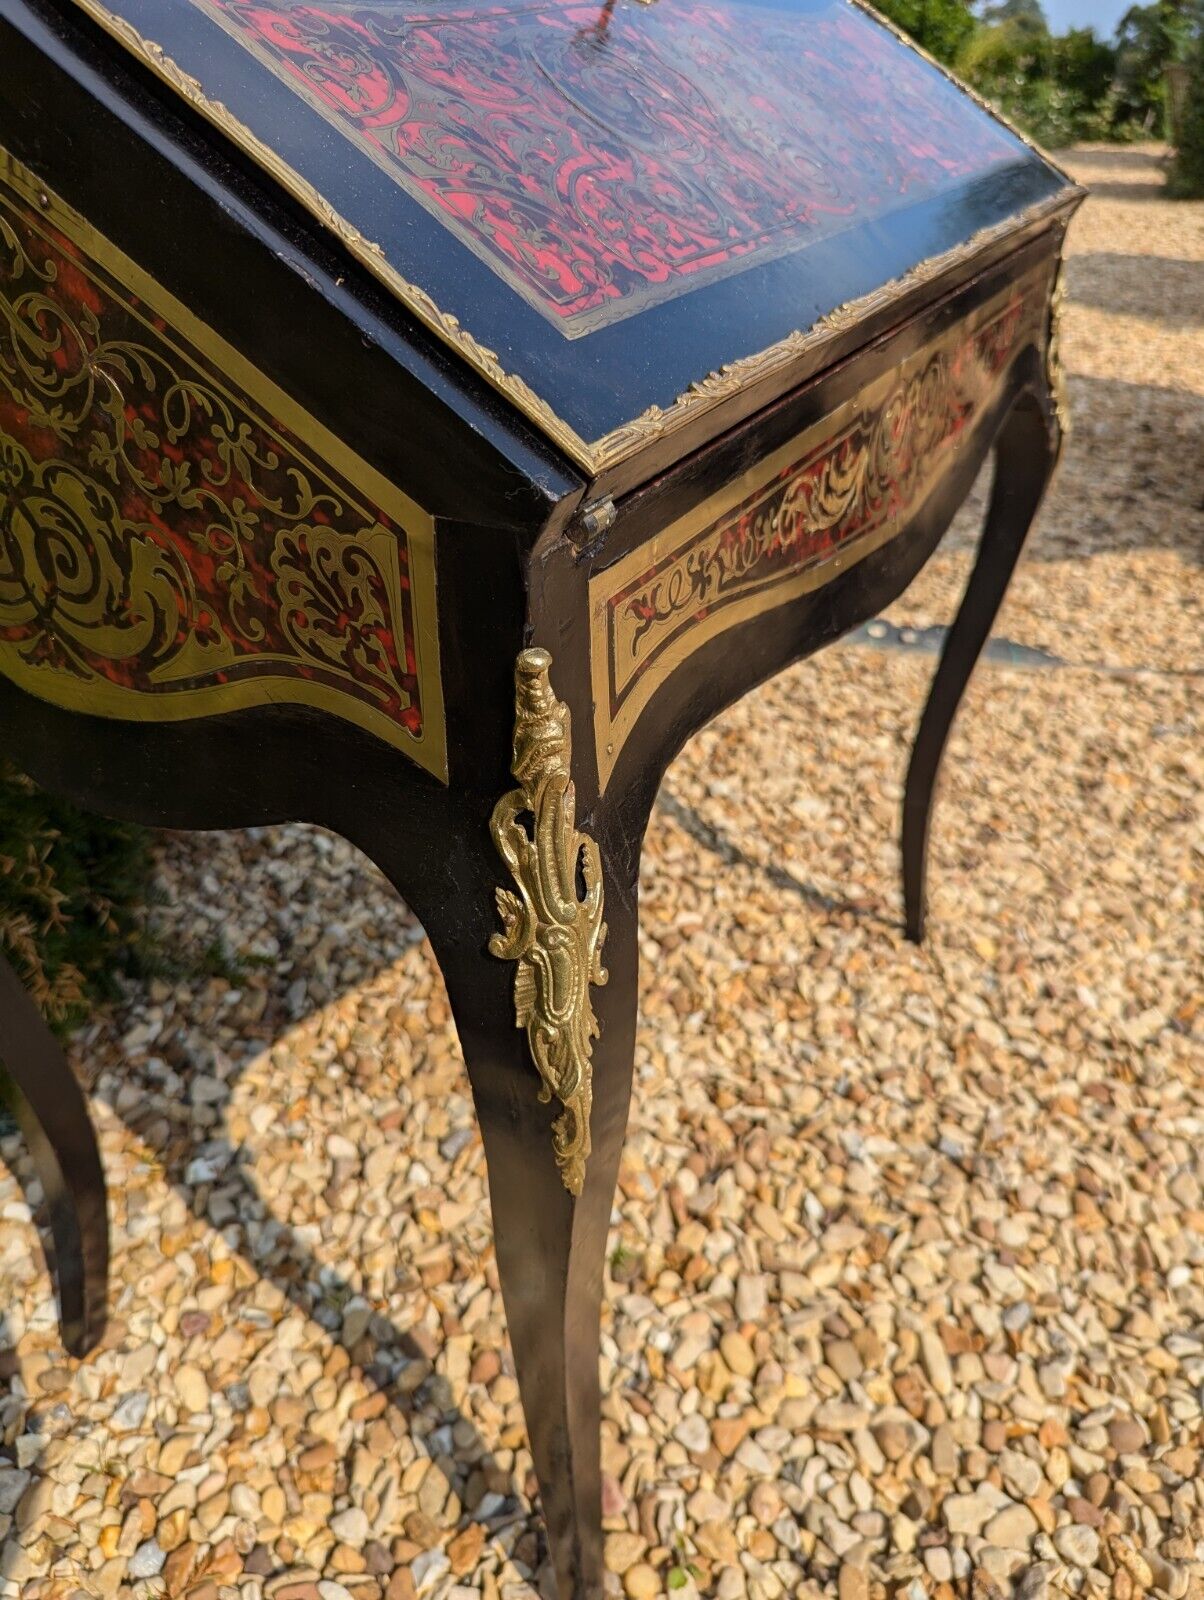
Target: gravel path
x=907 y=1291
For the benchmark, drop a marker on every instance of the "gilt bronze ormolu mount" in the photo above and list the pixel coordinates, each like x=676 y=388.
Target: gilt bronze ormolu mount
x=362 y=466
x=553 y=931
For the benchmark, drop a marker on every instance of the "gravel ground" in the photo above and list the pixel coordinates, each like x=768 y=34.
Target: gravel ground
x=907 y=1291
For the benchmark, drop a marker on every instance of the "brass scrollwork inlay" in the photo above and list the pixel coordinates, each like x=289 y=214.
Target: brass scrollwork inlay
x=177 y=538
x=812 y=509
x=553 y=926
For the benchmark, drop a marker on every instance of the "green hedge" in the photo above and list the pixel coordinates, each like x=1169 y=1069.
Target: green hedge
x=1186 y=180
x=1061 y=88
x=73 y=888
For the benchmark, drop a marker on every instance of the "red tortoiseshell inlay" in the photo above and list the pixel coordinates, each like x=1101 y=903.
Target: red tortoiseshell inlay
x=601 y=157
x=167 y=548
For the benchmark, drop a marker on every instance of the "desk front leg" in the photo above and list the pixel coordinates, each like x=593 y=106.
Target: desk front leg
x=546 y=1018
x=551 y=1244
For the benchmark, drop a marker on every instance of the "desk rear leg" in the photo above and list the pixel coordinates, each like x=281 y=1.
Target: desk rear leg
x=1025 y=457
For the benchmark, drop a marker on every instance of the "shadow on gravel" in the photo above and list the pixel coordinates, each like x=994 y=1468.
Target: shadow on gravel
x=1147 y=182
x=1140 y=444
x=1109 y=157
x=1104 y=190
x=1161 y=288
x=1137 y=443
x=718 y=844
x=15 y=1464
x=217 y=1181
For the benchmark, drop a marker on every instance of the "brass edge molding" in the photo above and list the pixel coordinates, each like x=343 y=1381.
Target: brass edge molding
x=657 y=421
x=1054 y=364
x=744 y=373
x=966 y=88
x=369 y=254
x=553 y=933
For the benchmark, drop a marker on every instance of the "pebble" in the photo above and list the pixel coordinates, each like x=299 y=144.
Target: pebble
x=853 y=1583
x=130 y=1411
x=1077 y=1544
x=936 y=1361
x=1011 y=1528
x=693 y=1433
x=1021 y=1474
x=12 y=1486
x=945 y=1454
x=147 y=1560
x=1126 y=1435
x=351 y=1526
x=641 y=1582
x=939 y=1563
x=192 y=1388
x=840 y=1416
x=967 y=1513
x=738 y=1354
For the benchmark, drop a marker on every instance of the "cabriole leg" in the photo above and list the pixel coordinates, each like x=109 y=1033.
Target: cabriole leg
x=1025 y=456
x=53 y=1115
x=551 y=1246
x=546 y=1016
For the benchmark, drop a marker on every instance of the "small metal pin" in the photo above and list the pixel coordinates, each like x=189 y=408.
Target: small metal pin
x=598 y=517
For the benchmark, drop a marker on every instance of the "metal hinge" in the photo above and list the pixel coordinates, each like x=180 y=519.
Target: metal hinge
x=598 y=517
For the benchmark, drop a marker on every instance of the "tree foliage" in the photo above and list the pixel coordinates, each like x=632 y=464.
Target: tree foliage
x=1148 y=40
x=943 y=27
x=1025 y=16
x=1187 y=174
x=1061 y=88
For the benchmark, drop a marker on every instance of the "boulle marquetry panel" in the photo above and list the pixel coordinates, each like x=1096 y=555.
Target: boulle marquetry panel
x=177 y=538
x=702 y=195
x=601 y=158
x=811 y=509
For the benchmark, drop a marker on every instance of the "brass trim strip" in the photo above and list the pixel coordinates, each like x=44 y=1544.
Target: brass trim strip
x=730 y=379
x=657 y=421
x=1055 y=365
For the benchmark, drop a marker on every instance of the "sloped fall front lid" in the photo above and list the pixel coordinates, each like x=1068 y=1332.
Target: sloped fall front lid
x=600 y=204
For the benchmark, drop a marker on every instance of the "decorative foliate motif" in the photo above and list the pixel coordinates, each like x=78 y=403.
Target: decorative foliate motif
x=173 y=543
x=552 y=927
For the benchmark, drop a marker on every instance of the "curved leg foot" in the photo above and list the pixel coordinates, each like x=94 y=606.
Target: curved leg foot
x=551 y=1247
x=1025 y=455
x=53 y=1114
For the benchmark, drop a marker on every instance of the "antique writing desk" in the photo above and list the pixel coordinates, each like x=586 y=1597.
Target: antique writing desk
x=419 y=420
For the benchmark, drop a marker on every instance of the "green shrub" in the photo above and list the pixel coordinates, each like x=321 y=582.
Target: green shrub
x=1186 y=181
x=941 y=26
x=1061 y=88
x=72 y=891
x=1047 y=111
x=1058 y=89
